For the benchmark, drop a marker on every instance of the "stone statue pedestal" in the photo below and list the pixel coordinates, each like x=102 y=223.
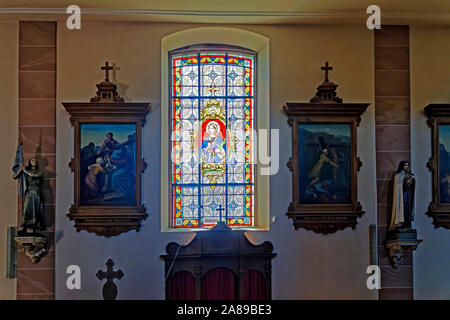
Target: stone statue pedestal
x=398 y=242
x=33 y=245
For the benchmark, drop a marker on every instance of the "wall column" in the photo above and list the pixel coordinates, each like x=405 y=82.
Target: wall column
x=392 y=119
x=37 y=131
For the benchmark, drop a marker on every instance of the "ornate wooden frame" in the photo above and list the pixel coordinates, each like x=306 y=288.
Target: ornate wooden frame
x=440 y=212
x=324 y=218
x=107 y=220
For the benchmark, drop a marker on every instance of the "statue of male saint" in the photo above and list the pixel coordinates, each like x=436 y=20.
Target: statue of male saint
x=29 y=187
x=403 y=198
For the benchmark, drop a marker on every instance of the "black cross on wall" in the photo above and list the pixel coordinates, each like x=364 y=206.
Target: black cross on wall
x=109 y=291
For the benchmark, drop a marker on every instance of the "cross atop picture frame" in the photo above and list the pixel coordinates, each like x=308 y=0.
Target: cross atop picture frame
x=107 y=162
x=324 y=162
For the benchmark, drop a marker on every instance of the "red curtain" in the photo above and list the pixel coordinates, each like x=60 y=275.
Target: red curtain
x=218 y=284
x=182 y=286
x=254 y=286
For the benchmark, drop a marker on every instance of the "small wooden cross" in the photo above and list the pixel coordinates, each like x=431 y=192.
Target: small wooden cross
x=213 y=89
x=109 y=289
x=326 y=68
x=220 y=209
x=106 y=67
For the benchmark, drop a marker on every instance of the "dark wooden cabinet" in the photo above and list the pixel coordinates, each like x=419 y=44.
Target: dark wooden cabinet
x=219 y=264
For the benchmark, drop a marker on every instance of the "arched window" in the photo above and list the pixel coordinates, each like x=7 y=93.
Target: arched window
x=212 y=118
x=246 y=47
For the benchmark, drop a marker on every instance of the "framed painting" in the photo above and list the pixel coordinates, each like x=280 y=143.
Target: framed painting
x=107 y=166
x=439 y=163
x=107 y=162
x=444 y=165
x=324 y=165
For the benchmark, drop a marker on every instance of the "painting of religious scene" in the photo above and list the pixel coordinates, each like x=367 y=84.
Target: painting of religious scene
x=444 y=165
x=108 y=164
x=324 y=163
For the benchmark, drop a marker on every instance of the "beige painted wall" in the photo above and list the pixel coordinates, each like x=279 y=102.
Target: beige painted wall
x=9 y=49
x=308 y=265
x=430 y=83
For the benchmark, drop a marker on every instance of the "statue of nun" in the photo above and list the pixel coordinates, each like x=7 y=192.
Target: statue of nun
x=403 y=198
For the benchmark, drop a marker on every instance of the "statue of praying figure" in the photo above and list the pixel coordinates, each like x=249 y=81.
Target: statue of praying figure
x=403 y=198
x=29 y=186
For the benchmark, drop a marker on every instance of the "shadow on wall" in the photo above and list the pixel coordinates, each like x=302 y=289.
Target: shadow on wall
x=122 y=88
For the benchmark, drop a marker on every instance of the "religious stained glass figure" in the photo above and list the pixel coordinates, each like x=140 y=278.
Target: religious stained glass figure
x=213 y=145
x=212 y=117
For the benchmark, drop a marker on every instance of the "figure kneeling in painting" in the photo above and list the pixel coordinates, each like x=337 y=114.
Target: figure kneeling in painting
x=111 y=180
x=325 y=180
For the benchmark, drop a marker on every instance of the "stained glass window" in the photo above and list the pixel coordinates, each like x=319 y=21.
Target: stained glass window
x=212 y=118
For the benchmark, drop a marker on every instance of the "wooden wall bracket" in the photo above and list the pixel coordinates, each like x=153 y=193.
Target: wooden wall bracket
x=398 y=248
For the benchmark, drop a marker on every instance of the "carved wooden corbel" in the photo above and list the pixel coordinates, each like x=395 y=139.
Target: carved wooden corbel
x=290 y=165
x=430 y=164
x=398 y=248
x=71 y=164
x=143 y=165
x=72 y=120
x=290 y=122
x=33 y=246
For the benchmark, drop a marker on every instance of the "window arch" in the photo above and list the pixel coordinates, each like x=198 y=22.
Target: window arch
x=232 y=41
x=212 y=106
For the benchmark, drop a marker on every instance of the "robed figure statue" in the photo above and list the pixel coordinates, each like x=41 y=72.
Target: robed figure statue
x=401 y=237
x=403 y=198
x=30 y=178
